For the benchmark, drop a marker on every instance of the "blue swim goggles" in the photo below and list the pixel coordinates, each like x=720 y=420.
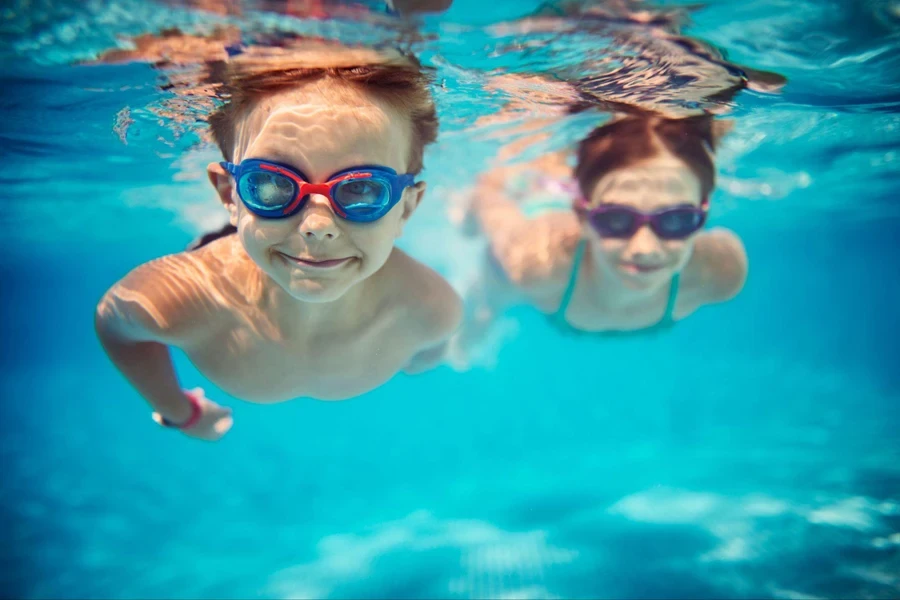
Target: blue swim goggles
x=361 y=194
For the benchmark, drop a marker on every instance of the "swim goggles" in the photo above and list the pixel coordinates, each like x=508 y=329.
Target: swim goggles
x=275 y=191
x=620 y=222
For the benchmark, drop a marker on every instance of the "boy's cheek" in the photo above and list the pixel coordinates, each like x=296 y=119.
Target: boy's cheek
x=259 y=233
x=378 y=243
x=409 y=205
x=400 y=225
x=242 y=220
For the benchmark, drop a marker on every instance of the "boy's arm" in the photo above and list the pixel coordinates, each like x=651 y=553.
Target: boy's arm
x=426 y=359
x=137 y=319
x=439 y=316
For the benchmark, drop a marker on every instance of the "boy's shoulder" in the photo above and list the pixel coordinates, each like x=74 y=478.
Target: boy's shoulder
x=195 y=272
x=431 y=303
x=178 y=296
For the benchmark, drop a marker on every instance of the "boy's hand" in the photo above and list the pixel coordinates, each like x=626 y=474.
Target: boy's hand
x=214 y=422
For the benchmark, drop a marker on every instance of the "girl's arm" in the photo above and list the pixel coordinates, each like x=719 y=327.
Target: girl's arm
x=528 y=249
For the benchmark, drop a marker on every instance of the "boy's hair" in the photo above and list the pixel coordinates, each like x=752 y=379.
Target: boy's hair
x=389 y=76
x=631 y=140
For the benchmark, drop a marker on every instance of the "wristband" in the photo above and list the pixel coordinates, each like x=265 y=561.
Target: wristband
x=196 y=412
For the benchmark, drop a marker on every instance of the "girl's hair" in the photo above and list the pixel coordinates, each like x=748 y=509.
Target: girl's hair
x=633 y=139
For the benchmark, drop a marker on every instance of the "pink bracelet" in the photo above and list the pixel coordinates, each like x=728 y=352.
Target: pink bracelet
x=196 y=413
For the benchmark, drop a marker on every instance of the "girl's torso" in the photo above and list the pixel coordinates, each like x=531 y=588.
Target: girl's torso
x=567 y=293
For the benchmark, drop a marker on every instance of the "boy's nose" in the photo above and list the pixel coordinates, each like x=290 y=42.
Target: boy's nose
x=318 y=221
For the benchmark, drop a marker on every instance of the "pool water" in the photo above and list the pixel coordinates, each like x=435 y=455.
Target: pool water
x=751 y=452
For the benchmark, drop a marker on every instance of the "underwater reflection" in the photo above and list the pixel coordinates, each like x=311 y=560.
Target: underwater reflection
x=620 y=56
x=617 y=245
x=318 y=9
x=610 y=239
x=322 y=146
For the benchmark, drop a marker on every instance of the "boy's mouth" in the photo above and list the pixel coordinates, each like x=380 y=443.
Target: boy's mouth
x=317 y=263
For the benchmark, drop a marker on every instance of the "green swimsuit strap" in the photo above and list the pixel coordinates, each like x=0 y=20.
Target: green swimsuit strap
x=573 y=281
x=669 y=316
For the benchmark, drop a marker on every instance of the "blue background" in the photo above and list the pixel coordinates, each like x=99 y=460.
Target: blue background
x=752 y=452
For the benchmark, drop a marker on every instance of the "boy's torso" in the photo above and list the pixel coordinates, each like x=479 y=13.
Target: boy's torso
x=250 y=354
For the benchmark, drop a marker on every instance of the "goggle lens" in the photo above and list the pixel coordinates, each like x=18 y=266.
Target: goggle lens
x=622 y=222
x=362 y=197
x=677 y=223
x=267 y=191
x=615 y=223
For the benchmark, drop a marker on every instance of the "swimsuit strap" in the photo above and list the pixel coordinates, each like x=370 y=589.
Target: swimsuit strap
x=560 y=316
x=573 y=281
x=669 y=316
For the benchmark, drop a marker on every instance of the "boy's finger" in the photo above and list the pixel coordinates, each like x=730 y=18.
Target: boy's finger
x=223 y=425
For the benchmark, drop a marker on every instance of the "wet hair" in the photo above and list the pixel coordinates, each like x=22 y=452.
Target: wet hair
x=208 y=238
x=630 y=140
x=396 y=79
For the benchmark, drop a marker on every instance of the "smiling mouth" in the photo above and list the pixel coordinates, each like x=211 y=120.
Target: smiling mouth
x=317 y=263
x=636 y=268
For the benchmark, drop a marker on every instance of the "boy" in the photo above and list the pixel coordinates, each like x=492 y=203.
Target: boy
x=310 y=298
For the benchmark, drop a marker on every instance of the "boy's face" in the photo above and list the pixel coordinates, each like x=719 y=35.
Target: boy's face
x=320 y=129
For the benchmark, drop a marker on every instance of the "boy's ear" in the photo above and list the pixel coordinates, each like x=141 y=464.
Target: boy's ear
x=223 y=183
x=411 y=199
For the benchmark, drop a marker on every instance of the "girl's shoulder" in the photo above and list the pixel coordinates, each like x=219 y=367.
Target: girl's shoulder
x=718 y=267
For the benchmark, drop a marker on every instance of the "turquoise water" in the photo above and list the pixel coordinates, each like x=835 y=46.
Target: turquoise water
x=753 y=452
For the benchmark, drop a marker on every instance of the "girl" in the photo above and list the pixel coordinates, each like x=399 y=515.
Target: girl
x=631 y=255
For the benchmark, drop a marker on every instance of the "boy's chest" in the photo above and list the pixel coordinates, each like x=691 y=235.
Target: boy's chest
x=264 y=369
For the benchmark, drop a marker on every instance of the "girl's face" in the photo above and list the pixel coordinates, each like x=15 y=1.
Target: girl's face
x=643 y=261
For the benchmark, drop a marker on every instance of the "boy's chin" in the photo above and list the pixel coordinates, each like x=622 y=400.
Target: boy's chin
x=318 y=292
